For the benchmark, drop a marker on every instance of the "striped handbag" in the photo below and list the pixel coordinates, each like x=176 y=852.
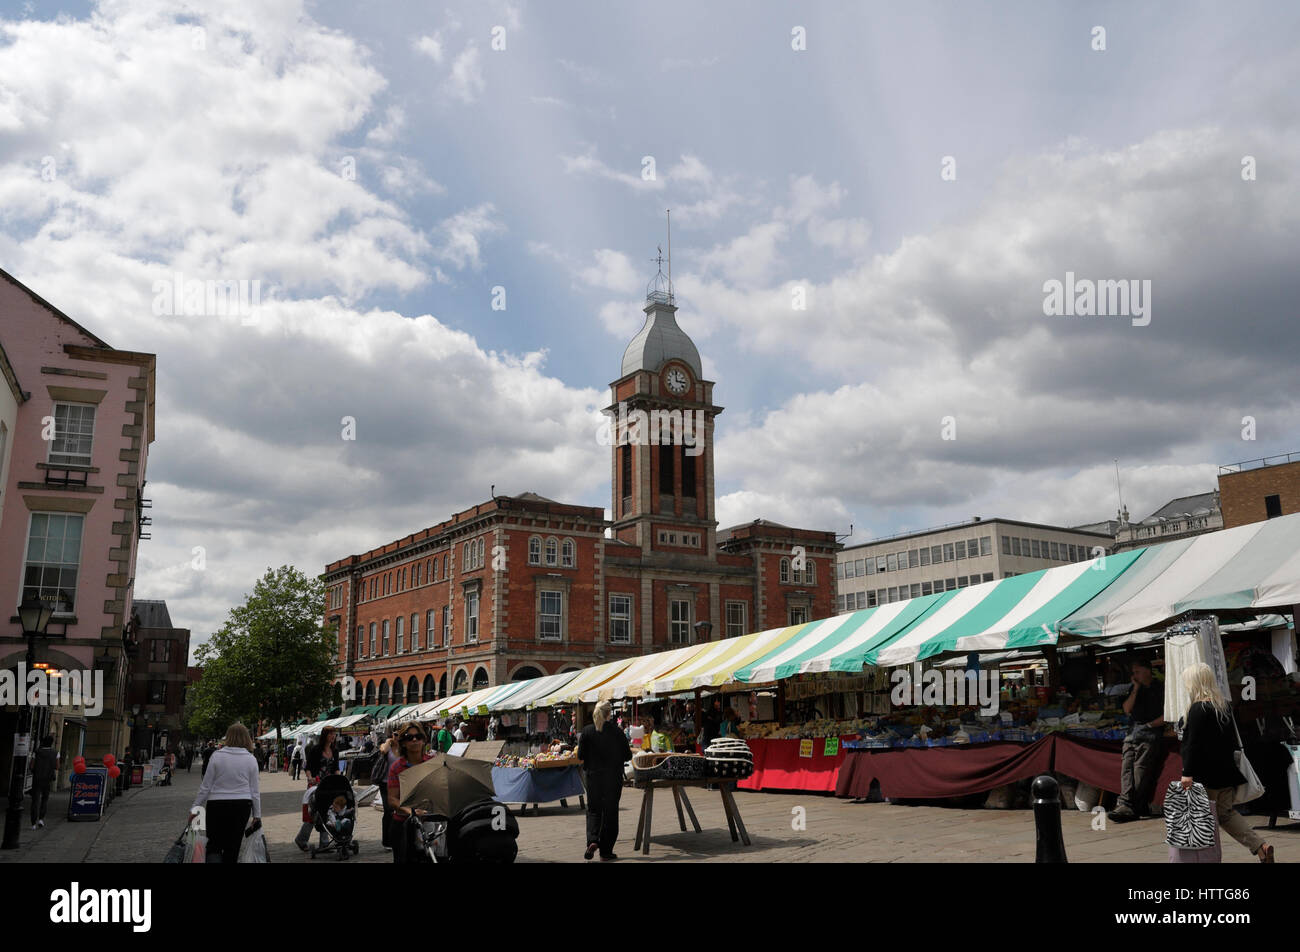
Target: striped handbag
x=1190 y=819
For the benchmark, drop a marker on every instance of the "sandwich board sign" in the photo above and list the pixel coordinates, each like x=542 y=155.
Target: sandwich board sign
x=86 y=799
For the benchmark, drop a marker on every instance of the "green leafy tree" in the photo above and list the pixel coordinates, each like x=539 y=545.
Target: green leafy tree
x=271 y=660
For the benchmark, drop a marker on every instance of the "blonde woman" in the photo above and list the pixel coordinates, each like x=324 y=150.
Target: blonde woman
x=1209 y=739
x=602 y=751
x=230 y=790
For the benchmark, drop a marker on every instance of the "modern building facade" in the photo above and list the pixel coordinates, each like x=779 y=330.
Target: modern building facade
x=523 y=586
x=1259 y=489
x=72 y=493
x=158 y=678
x=910 y=565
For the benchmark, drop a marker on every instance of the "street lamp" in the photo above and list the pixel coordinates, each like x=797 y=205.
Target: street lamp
x=34 y=613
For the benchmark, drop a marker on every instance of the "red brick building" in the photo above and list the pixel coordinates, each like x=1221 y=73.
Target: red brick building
x=1259 y=489
x=523 y=586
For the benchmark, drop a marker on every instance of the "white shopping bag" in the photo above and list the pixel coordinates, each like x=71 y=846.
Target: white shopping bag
x=253 y=849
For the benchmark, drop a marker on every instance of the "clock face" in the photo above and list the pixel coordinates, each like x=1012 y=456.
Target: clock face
x=677 y=380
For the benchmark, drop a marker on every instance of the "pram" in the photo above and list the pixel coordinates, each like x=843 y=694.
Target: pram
x=337 y=840
x=483 y=832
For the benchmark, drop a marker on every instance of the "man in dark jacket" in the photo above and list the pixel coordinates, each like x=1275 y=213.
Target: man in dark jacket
x=1144 y=747
x=44 y=766
x=207 y=755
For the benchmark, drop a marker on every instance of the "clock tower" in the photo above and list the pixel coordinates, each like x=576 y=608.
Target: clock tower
x=662 y=426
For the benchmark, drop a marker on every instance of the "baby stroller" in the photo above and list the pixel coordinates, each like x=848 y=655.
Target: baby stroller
x=483 y=832
x=336 y=826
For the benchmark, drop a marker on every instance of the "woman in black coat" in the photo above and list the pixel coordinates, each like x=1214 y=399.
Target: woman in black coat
x=1209 y=740
x=602 y=751
x=320 y=752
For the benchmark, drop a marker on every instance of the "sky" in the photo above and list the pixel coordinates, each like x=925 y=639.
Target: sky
x=451 y=211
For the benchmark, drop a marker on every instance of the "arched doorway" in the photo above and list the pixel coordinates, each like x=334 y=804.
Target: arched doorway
x=461 y=684
x=412 y=690
x=399 y=692
x=442 y=685
x=481 y=679
x=370 y=692
x=527 y=673
x=430 y=691
x=383 y=692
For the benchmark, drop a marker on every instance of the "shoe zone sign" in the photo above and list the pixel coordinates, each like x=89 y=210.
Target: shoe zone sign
x=88 y=792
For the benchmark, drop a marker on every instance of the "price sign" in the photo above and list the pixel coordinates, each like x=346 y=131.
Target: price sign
x=832 y=747
x=806 y=748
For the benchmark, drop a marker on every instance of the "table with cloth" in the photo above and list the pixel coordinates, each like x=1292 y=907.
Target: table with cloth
x=527 y=785
x=778 y=766
x=964 y=769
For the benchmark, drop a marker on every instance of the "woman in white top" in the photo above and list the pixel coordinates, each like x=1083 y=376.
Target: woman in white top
x=230 y=790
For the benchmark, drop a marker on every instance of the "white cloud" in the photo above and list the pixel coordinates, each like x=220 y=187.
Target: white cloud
x=466 y=82
x=589 y=164
x=464 y=234
x=430 y=46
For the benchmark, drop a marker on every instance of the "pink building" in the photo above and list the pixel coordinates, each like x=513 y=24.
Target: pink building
x=72 y=507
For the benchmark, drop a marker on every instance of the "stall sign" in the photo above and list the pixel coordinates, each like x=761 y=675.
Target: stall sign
x=806 y=748
x=832 y=747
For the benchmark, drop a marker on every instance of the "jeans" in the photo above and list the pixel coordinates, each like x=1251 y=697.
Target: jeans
x=41 y=797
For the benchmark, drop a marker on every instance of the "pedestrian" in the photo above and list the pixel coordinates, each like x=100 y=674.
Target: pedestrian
x=462 y=733
x=385 y=757
x=169 y=767
x=297 y=758
x=414 y=750
x=189 y=757
x=444 y=738
x=602 y=752
x=1144 y=746
x=321 y=752
x=44 y=768
x=231 y=793
x=1209 y=740
x=208 y=749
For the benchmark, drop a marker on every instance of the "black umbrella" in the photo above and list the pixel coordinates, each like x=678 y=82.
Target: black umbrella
x=445 y=785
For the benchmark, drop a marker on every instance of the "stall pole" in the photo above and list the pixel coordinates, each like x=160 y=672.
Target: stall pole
x=780 y=704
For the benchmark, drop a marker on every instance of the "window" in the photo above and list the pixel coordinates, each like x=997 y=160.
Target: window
x=914 y=558
x=916 y=590
x=891 y=562
x=430 y=636
x=1272 y=504
x=925 y=556
x=872 y=601
x=861 y=600
x=960 y=545
x=471 y=617
x=679 y=619
x=401 y=635
x=1015 y=546
x=359 y=647
x=799 y=616
x=962 y=581
x=567 y=554
x=950 y=584
x=446 y=625
x=1006 y=545
x=157 y=691
x=893 y=594
x=550 y=616
x=688 y=473
x=785 y=572
x=534 y=551
x=74 y=430
x=927 y=588
x=986 y=545
x=53 y=559
x=160 y=650
x=374 y=647
x=1054 y=552
x=988 y=576
x=620 y=619
x=1024 y=547
x=870 y=565
x=735 y=619
x=552 y=551
x=948 y=553
x=1074 y=554
x=625 y=471
x=1034 y=549
x=880 y=565
x=810 y=572
x=385 y=641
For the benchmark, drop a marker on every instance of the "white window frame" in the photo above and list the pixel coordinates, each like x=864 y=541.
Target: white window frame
x=541 y=615
x=399 y=635
x=446 y=626
x=675 y=622
x=619 y=615
x=385 y=632
x=471 y=617
x=568 y=554
x=727 y=623
x=89 y=454
x=785 y=571
x=63 y=564
x=534 y=550
x=415 y=631
x=552 y=549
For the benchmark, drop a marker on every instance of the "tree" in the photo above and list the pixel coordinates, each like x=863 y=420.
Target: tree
x=271 y=660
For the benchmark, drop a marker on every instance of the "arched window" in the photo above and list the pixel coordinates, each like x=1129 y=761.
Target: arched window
x=359 y=645
x=399 y=692
x=526 y=673
x=482 y=546
x=430 y=691
x=412 y=689
x=810 y=572
x=442 y=685
x=480 y=679
x=785 y=570
x=370 y=692
x=383 y=692
x=552 y=551
x=461 y=683
x=567 y=554
x=464 y=556
x=535 y=550
x=385 y=642
x=401 y=635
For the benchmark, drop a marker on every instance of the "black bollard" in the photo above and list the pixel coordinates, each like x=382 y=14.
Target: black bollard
x=1047 y=820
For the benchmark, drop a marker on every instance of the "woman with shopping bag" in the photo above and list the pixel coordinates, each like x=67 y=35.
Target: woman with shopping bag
x=231 y=793
x=1209 y=744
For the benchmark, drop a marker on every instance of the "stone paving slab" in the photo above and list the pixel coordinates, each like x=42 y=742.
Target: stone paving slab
x=783 y=827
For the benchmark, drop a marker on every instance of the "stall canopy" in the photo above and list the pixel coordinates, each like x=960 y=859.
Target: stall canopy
x=503 y=691
x=633 y=680
x=716 y=662
x=1254 y=566
x=1017 y=612
x=471 y=703
x=840 y=643
x=532 y=690
x=585 y=681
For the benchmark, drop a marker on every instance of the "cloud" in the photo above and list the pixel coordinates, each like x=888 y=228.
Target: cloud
x=466 y=82
x=464 y=233
x=430 y=46
x=589 y=164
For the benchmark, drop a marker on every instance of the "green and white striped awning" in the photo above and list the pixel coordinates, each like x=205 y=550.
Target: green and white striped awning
x=840 y=643
x=1016 y=612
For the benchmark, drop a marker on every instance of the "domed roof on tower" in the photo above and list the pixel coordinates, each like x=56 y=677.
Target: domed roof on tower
x=660 y=339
